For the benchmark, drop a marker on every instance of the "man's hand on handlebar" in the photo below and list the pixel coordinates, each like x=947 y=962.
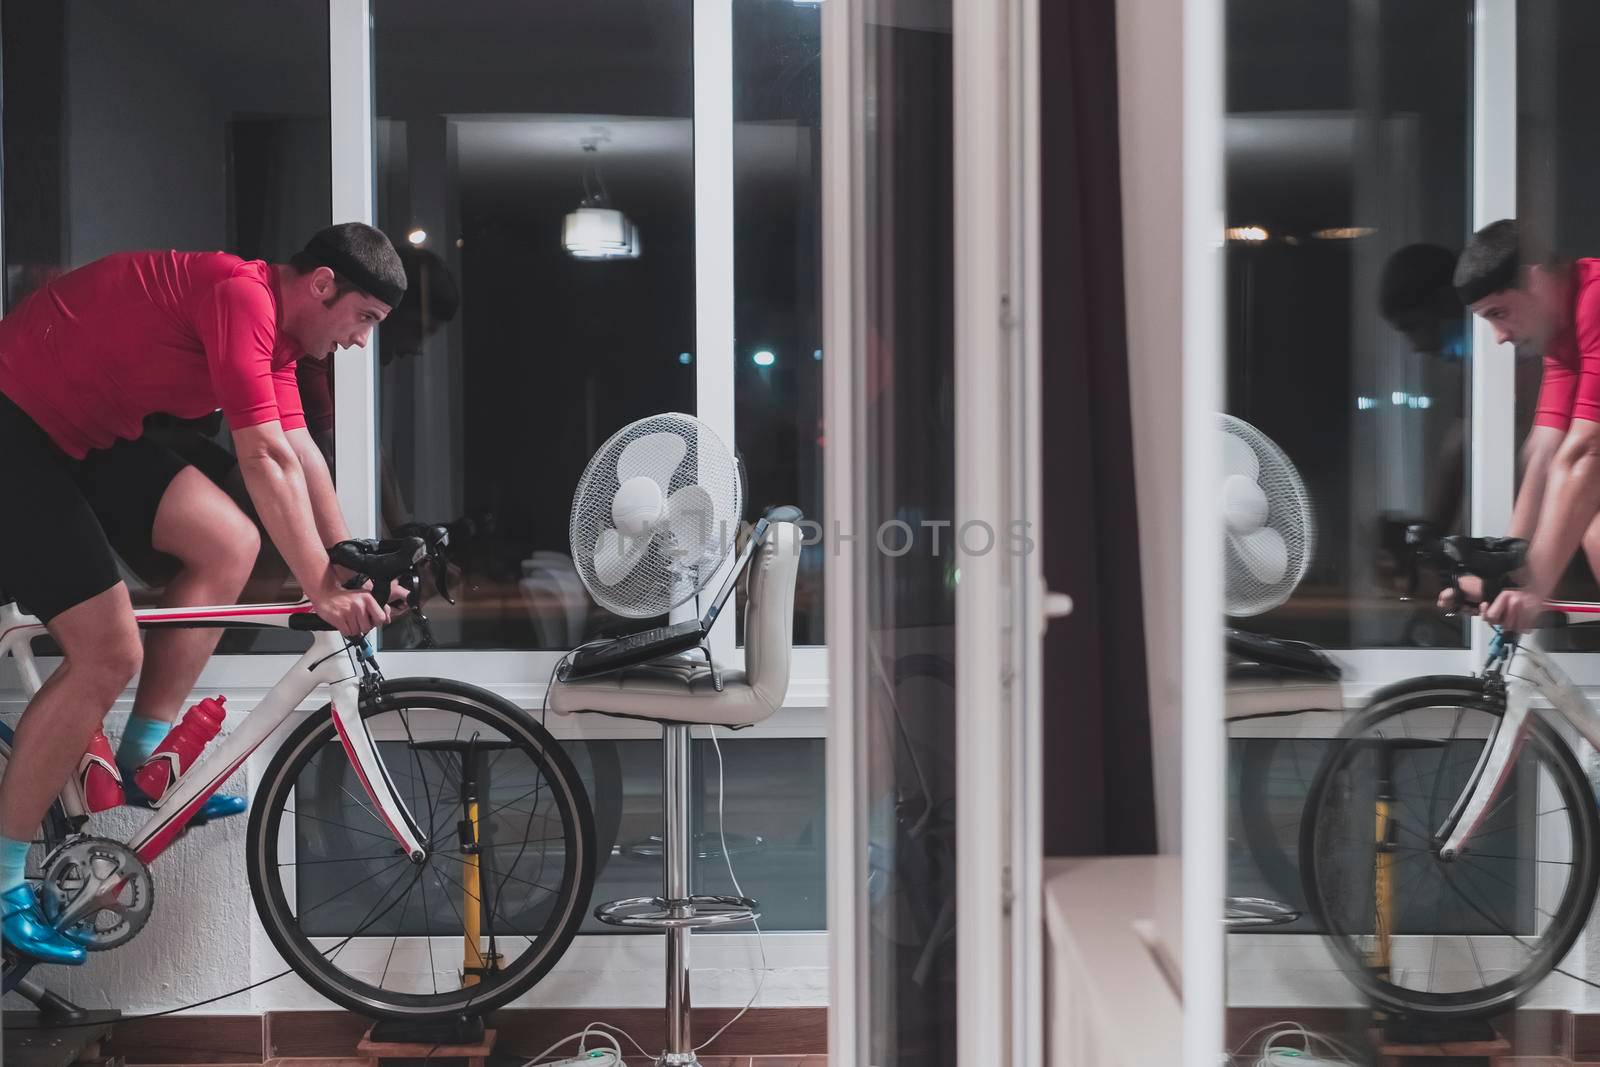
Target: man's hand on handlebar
x=1517 y=610
x=352 y=612
x=1468 y=602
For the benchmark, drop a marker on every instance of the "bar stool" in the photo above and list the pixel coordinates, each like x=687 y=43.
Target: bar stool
x=679 y=694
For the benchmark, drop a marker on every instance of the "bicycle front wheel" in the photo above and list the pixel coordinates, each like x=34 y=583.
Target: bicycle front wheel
x=1426 y=936
x=507 y=878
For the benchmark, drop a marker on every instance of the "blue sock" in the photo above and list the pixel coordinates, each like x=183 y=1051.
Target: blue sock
x=13 y=857
x=140 y=738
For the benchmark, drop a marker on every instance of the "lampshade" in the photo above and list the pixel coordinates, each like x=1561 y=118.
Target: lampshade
x=600 y=233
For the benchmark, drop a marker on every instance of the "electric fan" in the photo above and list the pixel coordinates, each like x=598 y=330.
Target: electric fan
x=655 y=514
x=1267 y=515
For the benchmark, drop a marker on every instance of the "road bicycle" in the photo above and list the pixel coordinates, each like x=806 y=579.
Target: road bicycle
x=1450 y=845
x=416 y=847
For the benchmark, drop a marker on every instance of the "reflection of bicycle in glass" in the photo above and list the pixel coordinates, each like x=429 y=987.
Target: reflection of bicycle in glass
x=417 y=847
x=1450 y=847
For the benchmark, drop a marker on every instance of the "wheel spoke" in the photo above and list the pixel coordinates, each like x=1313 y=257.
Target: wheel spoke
x=351 y=888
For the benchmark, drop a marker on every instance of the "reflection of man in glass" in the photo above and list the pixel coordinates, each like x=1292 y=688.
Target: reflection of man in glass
x=1540 y=304
x=1416 y=297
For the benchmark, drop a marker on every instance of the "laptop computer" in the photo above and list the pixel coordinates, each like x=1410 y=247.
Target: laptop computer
x=663 y=641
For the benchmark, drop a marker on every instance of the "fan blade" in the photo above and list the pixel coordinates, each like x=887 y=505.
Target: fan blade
x=691 y=523
x=1244 y=504
x=615 y=556
x=1264 y=554
x=1239 y=458
x=655 y=456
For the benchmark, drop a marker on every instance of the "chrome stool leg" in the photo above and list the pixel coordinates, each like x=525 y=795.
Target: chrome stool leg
x=677 y=911
x=675 y=872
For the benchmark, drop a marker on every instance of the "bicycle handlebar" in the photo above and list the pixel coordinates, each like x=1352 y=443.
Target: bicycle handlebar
x=1492 y=560
x=384 y=563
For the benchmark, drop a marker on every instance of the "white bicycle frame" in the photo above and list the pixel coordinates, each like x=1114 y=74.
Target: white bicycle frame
x=1527 y=671
x=332 y=661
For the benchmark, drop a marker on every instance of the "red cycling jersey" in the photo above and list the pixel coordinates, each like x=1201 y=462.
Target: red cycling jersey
x=1571 y=386
x=95 y=351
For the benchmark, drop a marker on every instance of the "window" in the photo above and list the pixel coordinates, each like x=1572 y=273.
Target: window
x=1556 y=44
x=777 y=189
x=193 y=124
x=1268 y=781
x=494 y=121
x=773 y=803
x=1348 y=178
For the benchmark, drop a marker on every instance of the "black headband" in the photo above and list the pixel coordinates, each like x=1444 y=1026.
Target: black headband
x=1503 y=277
x=343 y=263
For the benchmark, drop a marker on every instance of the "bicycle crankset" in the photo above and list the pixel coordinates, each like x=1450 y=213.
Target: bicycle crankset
x=97 y=892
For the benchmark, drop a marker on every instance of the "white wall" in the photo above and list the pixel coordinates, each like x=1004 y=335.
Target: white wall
x=1149 y=95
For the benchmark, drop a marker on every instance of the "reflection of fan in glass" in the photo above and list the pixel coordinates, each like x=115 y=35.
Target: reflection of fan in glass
x=1268 y=521
x=655 y=514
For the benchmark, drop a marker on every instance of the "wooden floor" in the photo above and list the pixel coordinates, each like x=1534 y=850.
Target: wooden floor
x=635 y=1060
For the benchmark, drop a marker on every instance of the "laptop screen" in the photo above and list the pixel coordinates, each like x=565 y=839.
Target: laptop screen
x=757 y=534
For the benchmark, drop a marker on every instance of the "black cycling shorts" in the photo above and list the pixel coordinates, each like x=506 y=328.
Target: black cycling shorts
x=68 y=517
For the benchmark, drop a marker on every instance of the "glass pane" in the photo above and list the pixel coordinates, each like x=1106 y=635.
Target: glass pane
x=777 y=197
x=1557 y=157
x=1348 y=197
x=905 y=690
x=772 y=796
x=195 y=125
x=494 y=121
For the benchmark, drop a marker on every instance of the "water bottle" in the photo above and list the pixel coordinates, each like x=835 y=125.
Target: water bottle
x=98 y=775
x=180 y=748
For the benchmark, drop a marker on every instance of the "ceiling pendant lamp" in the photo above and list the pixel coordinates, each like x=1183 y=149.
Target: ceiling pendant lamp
x=595 y=229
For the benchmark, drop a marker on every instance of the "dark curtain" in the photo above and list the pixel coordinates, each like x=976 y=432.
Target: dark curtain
x=1099 y=792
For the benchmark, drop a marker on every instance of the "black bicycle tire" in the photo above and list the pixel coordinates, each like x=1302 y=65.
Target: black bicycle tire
x=295 y=947
x=1459 y=691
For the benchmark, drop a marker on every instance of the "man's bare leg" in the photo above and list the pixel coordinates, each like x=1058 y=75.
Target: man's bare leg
x=101 y=654
x=217 y=546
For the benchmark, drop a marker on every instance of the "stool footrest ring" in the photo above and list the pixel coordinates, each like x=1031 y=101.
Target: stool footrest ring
x=658 y=913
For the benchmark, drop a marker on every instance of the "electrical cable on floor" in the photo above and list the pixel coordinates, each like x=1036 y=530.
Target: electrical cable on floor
x=761 y=942
x=1312 y=1045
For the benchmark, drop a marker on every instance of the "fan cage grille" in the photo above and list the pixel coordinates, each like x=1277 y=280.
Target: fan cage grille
x=1289 y=513
x=672 y=569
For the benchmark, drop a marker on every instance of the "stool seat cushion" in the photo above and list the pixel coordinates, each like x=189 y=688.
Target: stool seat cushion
x=674 y=690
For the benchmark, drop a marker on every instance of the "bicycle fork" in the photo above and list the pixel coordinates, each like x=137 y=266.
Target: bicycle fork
x=362 y=752
x=1495 y=765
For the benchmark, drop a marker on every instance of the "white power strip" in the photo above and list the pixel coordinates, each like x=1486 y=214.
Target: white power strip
x=1288 y=1057
x=600 y=1057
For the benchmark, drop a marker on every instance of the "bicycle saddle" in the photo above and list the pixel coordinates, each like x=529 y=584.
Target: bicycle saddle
x=1487 y=557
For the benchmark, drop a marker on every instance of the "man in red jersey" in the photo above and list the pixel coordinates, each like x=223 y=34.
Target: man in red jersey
x=1542 y=305
x=83 y=361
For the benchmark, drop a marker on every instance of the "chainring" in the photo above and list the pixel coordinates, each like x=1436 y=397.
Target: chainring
x=125 y=891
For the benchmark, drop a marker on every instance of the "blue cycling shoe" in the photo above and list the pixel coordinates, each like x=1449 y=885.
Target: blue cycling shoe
x=26 y=931
x=217 y=806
